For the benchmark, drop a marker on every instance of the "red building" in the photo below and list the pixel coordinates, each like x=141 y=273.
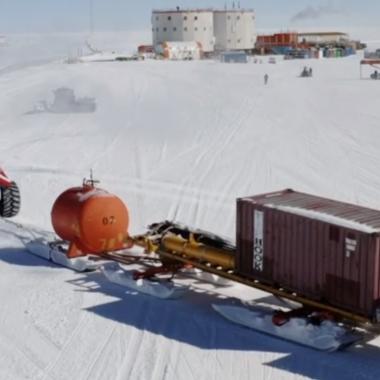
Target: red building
x=280 y=40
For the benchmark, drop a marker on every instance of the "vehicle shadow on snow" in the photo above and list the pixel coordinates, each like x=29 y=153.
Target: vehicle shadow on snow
x=20 y=257
x=192 y=320
x=16 y=238
x=357 y=363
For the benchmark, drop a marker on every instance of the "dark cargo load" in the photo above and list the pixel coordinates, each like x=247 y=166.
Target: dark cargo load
x=315 y=247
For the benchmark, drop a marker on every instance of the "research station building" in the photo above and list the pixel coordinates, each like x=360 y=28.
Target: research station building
x=234 y=29
x=184 y=26
x=215 y=30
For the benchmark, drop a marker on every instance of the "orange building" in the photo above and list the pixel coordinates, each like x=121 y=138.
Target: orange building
x=288 y=39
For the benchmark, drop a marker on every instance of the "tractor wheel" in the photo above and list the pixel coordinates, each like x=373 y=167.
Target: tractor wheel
x=10 y=201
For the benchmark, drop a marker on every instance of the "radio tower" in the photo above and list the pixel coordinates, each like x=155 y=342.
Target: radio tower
x=91 y=16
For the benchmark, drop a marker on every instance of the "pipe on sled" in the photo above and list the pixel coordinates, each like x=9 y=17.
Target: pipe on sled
x=198 y=251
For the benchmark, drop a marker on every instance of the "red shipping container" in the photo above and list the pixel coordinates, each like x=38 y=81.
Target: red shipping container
x=318 y=248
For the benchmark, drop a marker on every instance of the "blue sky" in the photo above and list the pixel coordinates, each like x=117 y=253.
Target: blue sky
x=73 y=15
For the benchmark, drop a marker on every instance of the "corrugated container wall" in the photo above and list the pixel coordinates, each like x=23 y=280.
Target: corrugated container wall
x=318 y=248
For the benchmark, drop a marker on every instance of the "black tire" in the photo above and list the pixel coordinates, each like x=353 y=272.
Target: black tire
x=10 y=201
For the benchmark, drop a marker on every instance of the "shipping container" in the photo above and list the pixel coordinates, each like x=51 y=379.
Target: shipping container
x=145 y=49
x=279 y=39
x=318 y=248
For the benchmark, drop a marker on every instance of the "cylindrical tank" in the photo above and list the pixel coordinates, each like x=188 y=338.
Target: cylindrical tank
x=93 y=220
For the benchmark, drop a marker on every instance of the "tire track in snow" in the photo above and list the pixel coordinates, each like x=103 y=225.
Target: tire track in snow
x=10 y=345
x=98 y=353
x=198 y=167
x=128 y=367
x=66 y=347
x=141 y=345
x=226 y=137
x=206 y=161
x=77 y=359
x=26 y=65
x=135 y=185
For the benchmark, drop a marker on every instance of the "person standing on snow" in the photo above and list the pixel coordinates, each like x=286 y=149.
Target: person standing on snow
x=266 y=78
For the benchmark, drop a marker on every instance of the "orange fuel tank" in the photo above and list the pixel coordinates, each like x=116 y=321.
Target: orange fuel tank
x=91 y=219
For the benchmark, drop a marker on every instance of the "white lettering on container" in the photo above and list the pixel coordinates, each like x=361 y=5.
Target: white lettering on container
x=258 y=241
x=350 y=247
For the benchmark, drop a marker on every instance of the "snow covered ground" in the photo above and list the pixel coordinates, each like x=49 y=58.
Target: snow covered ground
x=175 y=140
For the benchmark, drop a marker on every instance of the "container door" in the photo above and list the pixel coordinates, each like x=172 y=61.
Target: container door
x=343 y=268
x=244 y=237
x=251 y=246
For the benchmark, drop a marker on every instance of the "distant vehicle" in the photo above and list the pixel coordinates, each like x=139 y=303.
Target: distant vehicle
x=272 y=60
x=66 y=102
x=134 y=57
x=306 y=72
x=375 y=75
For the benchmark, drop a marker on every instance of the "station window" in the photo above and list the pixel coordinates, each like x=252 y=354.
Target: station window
x=174 y=29
x=195 y=18
x=185 y=28
x=229 y=41
x=238 y=41
x=238 y=18
x=157 y=18
x=195 y=28
x=169 y=18
x=165 y=29
x=228 y=17
x=157 y=29
x=204 y=28
x=185 y=18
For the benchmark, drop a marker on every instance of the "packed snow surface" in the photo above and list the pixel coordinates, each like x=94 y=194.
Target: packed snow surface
x=174 y=140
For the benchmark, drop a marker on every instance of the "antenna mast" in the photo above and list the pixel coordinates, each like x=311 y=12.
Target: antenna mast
x=91 y=16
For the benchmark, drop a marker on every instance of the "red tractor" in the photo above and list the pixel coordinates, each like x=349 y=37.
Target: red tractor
x=9 y=196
